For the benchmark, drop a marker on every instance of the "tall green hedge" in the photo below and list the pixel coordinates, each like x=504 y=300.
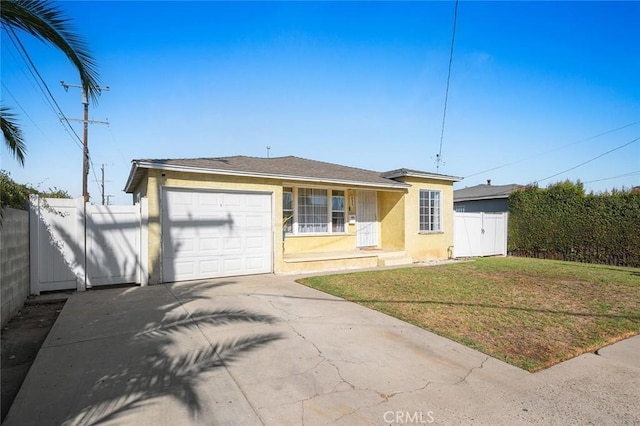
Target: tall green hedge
x=562 y=222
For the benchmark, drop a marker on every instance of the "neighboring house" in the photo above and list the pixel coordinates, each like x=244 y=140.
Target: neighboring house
x=215 y=217
x=483 y=198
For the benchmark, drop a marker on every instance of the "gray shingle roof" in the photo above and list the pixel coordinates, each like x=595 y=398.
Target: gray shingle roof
x=484 y=192
x=417 y=173
x=290 y=167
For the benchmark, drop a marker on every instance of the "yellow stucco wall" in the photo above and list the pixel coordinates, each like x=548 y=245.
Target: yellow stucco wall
x=428 y=246
x=392 y=220
x=319 y=243
x=329 y=264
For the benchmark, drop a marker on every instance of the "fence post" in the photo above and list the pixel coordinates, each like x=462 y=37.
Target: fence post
x=143 y=250
x=34 y=239
x=505 y=221
x=81 y=241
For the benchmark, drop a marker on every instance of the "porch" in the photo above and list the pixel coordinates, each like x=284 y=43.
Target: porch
x=340 y=260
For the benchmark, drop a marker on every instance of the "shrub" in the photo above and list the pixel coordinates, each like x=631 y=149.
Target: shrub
x=562 y=222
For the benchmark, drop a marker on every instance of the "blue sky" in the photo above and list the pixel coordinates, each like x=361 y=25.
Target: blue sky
x=536 y=88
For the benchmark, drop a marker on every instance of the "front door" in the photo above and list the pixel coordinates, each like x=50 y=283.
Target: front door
x=366 y=219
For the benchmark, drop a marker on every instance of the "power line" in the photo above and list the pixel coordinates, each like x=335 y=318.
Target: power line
x=32 y=74
x=446 y=95
x=19 y=64
x=32 y=68
x=637 y=172
x=554 y=149
x=590 y=160
x=22 y=109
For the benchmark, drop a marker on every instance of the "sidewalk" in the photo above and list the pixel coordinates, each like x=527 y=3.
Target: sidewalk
x=265 y=350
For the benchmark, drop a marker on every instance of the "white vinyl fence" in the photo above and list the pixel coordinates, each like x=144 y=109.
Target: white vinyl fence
x=71 y=253
x=479 y=234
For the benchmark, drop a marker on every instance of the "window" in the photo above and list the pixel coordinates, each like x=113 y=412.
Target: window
x=337 y=211
x=287 y=209
x=313 y=209
x=430 y=211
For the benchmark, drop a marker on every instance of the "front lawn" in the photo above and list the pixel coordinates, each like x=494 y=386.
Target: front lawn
x=528 y=312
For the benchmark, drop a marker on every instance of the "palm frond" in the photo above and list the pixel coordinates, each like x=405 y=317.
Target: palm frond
x=186 y=321
x=12 y=135
x=48 y=24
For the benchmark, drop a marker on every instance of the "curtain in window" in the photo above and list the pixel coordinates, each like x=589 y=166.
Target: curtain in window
x=312 y=210
x=337 y=211
x=287 y=210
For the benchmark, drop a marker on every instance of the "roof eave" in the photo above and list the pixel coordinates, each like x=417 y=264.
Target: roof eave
x=490 y=197
x=128 y=187
x=191 y=169
x=424 y=176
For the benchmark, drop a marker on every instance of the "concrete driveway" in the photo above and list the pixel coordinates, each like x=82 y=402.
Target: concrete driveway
x=265 y=350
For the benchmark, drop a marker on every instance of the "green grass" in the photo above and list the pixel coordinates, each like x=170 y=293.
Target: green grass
x=531 y=313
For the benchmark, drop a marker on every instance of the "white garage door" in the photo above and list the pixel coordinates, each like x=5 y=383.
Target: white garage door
x=208 y=234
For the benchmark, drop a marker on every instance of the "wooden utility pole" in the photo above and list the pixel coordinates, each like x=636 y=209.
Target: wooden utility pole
x=85 y=146
x=102 y=183
x=85 y=136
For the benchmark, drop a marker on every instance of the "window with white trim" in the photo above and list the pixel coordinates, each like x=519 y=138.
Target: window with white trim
x=337 y=211
x=287 y=209
x=430 y=214
x=313 y=211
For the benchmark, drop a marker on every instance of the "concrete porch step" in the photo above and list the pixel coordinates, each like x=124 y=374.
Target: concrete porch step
x=395 y=258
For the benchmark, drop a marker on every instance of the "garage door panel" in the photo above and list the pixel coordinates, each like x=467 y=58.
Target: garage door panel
x=233 y=200
x=209 y=200
x=183 y=245
x=256 y=202
x=209 y=266
x=255 y=263
x=255 y=243
x=181 y=267
x=209 y=245
x=181 y=201
x=256 y=222
x=233 y=244
x=233 y=266
x=210 y=234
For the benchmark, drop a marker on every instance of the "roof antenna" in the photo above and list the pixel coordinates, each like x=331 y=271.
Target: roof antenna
x=268 y=148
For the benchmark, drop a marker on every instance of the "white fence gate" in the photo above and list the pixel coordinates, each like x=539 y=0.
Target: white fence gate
x=479 y=234
x=67 y=252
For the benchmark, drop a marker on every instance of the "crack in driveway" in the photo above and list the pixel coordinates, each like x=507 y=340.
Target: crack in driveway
x=464 y=379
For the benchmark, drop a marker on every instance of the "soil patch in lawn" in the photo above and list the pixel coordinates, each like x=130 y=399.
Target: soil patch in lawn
x=22 y=338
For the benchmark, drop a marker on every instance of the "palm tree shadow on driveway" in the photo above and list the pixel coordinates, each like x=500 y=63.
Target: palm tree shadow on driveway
x=167 y=357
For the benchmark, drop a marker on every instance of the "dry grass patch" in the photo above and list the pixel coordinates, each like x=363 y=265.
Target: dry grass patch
x=528 y=312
